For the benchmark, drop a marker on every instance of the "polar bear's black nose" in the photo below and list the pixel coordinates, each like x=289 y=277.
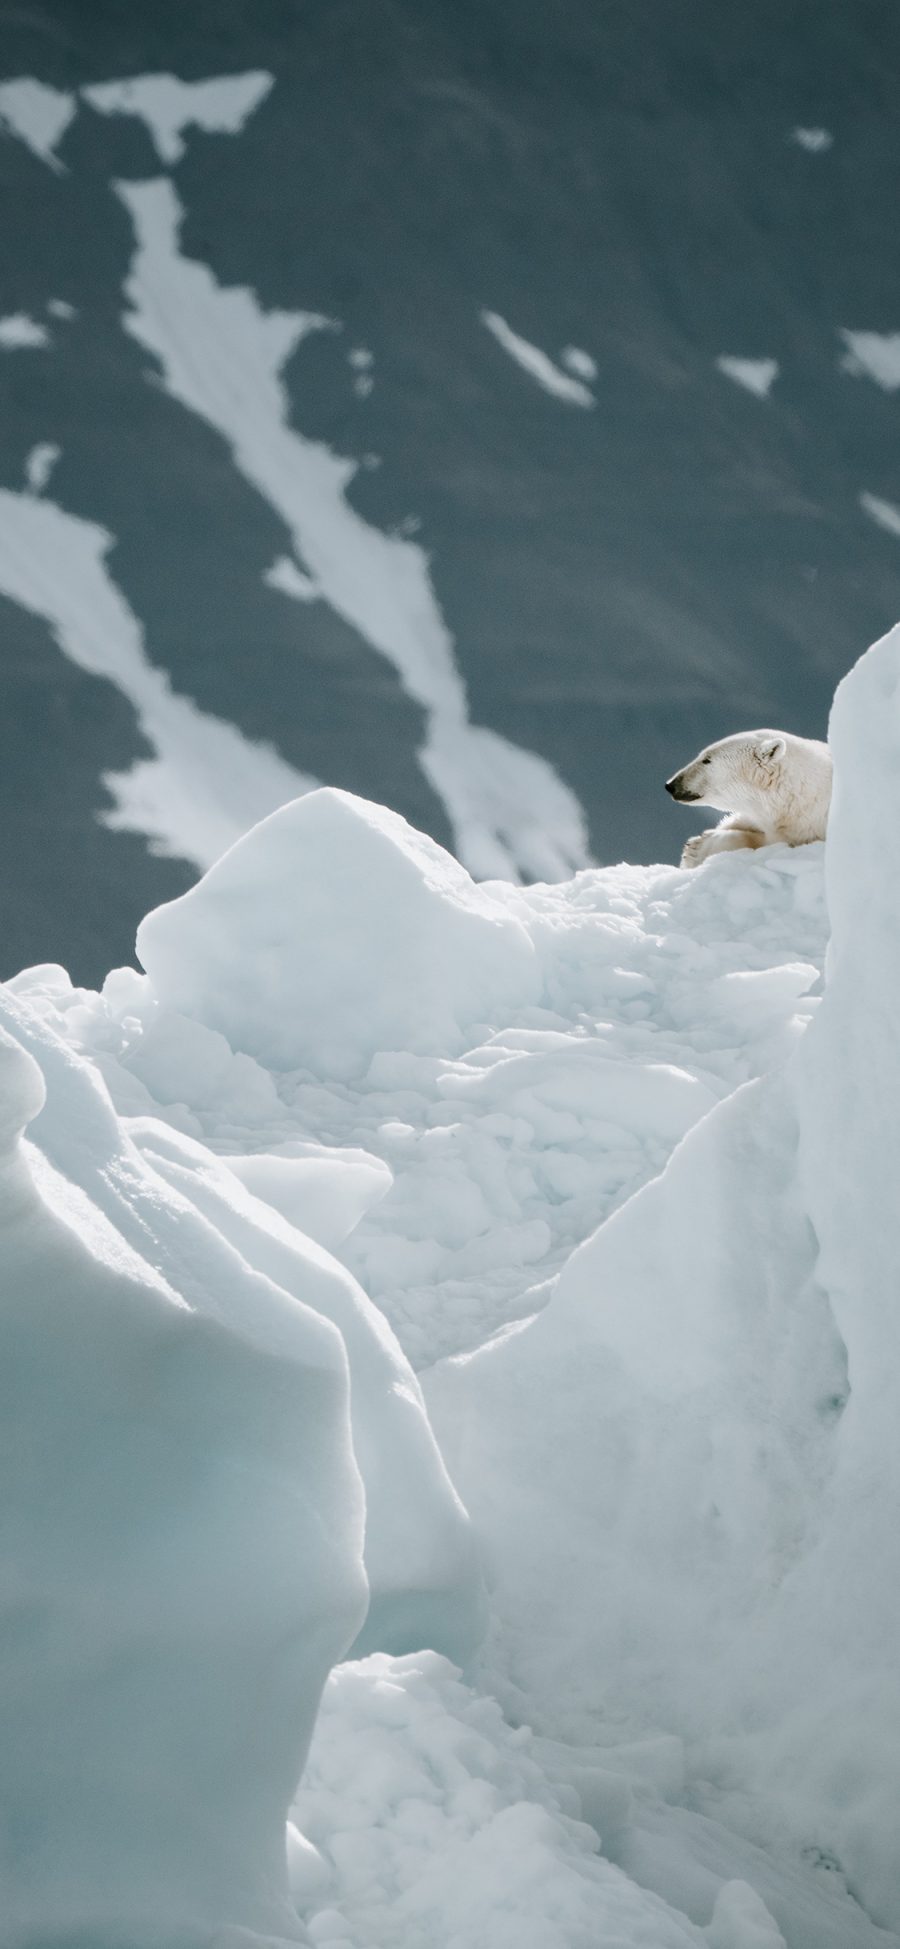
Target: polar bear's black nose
x=674 y=785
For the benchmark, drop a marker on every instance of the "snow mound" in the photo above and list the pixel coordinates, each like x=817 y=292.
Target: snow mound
x=22 y=1092
x=438 y=1826
x=660 y=992
x=180 y=1535
x=224 y=1250
x=334 y=930
x=324 y=1192
x=741 y=1921
x=660 y=1427
x=420 y=1557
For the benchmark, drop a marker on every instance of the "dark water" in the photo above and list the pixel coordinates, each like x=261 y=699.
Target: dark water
x=623 y=584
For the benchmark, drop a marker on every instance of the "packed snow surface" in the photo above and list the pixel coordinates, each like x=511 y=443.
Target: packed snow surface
x=612 y=1169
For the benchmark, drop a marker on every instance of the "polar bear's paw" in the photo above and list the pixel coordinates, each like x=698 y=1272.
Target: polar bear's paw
x=696 y=850
x=722 y=839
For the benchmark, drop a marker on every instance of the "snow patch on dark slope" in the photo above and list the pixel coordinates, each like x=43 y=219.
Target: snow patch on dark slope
x=222 y=357
x=38 y=115
x=169 y=106
x=206 y=782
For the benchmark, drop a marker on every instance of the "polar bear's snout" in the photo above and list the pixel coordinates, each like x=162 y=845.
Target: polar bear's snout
x=679 y=790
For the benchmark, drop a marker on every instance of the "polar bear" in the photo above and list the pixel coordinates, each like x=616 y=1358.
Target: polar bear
x=772 y=785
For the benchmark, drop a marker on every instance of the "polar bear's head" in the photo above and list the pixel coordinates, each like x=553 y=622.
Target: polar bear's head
x=739 y=774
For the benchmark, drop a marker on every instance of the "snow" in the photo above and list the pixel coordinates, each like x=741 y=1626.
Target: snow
x=222 y=356
x=816 y=141
x=667 y=989
x=437 y=1824
x=538 y=364
x=873 y=355
x=578 y=361
x=724 y=1346
x=291 y=580
x=755 y=375
x=386 y=943
x=18 y=332
x=661 y=1325
x=613 y=1166
x=205 y=782
x=324 y=1191
x=39 y=465
x=181 y=1534
x=211 y=1235
x=361 y=360
x=883 y=513
x=420 y=1557
x=220 y=106
x=38 y=114
x=843 y=1084
x=741 y=1921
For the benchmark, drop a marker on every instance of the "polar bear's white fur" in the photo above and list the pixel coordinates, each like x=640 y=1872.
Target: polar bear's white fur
x=772 y=785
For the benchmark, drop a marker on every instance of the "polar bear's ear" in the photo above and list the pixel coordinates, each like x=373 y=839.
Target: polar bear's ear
x=769 y=750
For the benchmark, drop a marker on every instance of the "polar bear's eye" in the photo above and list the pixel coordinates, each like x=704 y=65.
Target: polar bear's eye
x=705 y=761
